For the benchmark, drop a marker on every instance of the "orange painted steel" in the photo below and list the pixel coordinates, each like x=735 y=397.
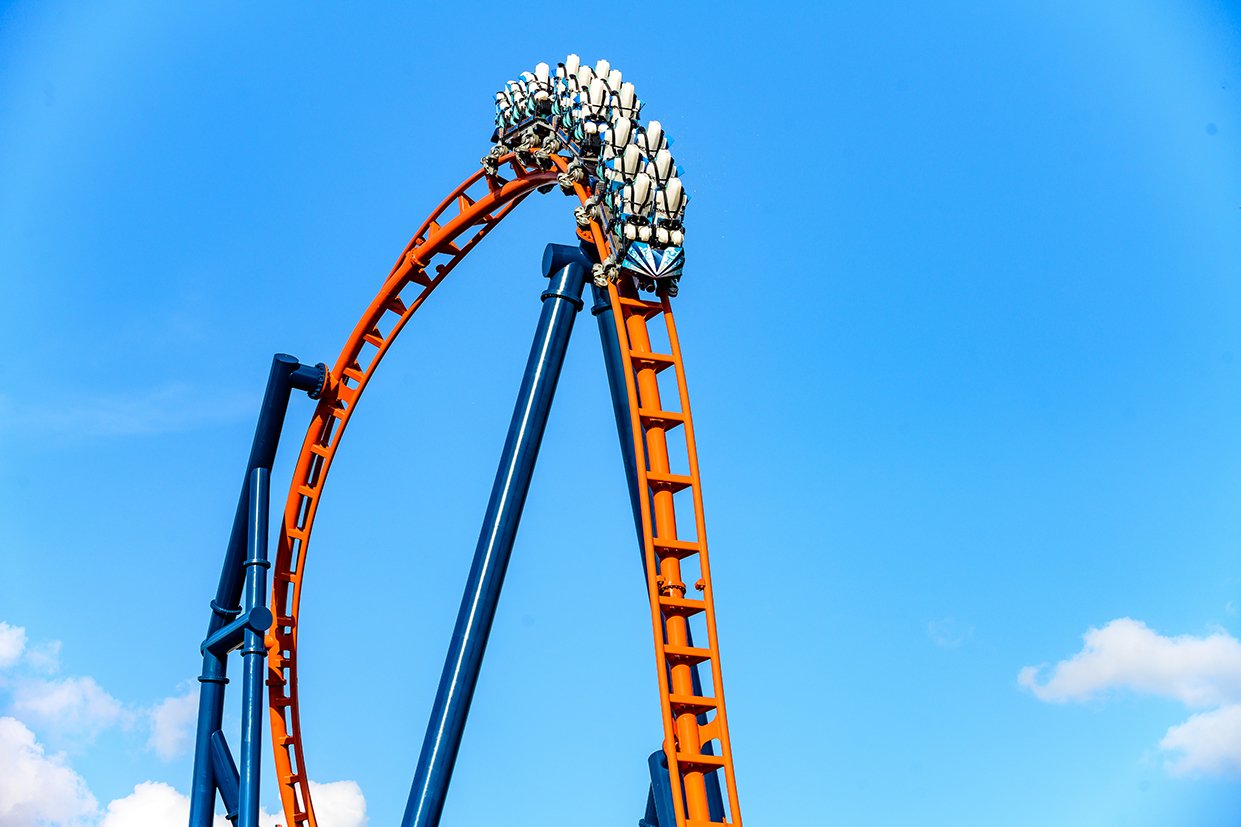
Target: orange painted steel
x=691 y=720
x=471 y=211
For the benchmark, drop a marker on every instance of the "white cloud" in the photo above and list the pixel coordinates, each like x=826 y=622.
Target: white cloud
x=154 y=804
x=339 y=803
x=12 y=644
x=74 y=707
x=1200 y=672
x=44 y=657
x=151 y=804
x=1209 y=742
x=172 y=721
x=17 y=651
x=37 y=789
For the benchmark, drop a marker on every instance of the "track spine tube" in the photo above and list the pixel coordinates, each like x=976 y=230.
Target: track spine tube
x=567 y=270
x=688 y=738
x=615 y=364
x=462 y=220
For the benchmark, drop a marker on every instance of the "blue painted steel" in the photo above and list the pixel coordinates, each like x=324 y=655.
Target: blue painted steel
x=280 y=384
x=659 y=810
x=229 y=637
x=226 y=609
x=225 y=773
x=210 y=712
x=659 y=796
x=310 y=379
x=567 y=269
x=558 y=256
x=651 y=817
x=616 y=366
x=254 y=652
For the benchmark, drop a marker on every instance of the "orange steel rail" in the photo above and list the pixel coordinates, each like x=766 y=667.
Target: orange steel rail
x=696 y=739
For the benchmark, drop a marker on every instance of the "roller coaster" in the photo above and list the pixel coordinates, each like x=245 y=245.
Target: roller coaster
x=576 y=129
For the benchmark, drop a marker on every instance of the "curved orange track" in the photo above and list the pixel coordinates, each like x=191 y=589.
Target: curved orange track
x=458 y=224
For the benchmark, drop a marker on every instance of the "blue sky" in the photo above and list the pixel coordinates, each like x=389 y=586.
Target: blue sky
x=960 y=321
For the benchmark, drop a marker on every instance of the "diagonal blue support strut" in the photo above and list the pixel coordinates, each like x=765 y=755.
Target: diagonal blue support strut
x=567 y=270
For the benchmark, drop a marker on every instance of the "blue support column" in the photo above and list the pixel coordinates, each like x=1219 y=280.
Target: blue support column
x=286 y=375
x=567 y=269
x=615 y=363
x=210 y=713
x=659 y=811
x=254 y=652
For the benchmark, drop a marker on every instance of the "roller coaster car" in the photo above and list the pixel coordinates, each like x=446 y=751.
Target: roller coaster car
x=652 y=244
x=593 y=113
x=657 y=269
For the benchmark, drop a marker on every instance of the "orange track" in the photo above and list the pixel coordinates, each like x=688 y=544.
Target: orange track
x=690 y=722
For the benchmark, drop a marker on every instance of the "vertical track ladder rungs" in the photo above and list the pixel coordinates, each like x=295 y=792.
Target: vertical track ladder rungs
x=694 y=746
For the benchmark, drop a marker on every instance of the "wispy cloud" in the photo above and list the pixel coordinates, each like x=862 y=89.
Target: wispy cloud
x=155 y=804
x=167 y=408
x=948 y=632
x=75 y=709
x=44 y=656
x=1200 y=672
x=38 y=787
x=172 y=720
x=12 y=644
x=72 y=710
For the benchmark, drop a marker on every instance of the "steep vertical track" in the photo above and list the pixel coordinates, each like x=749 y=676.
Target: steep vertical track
x=695 y=723
x=691 y=722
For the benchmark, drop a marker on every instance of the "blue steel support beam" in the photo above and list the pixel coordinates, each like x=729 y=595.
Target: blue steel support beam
x=286 y=375
x=659 y=812
x=225 y=770
x=567 y=269
x=229 y=637
x=207 y=774
x=254 y=652
x=616 y=365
